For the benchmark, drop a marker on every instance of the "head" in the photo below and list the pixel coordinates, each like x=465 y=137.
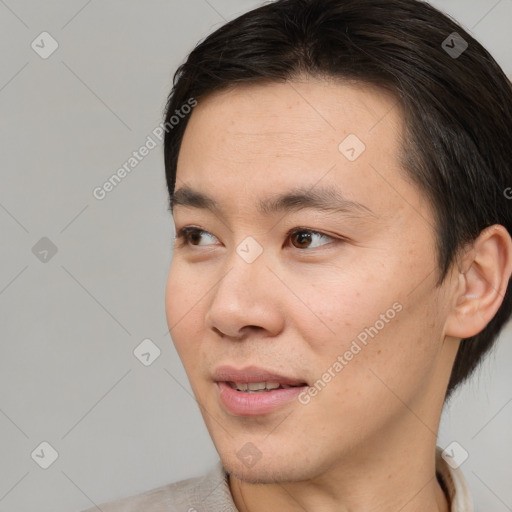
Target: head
x=410 y=275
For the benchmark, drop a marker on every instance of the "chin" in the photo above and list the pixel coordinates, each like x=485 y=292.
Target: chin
x=263 y=472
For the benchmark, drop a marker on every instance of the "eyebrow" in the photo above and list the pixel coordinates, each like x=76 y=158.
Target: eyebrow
x=326 y=198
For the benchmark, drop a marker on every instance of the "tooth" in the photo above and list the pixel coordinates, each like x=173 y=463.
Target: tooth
x=261 y=386
x=255 y=386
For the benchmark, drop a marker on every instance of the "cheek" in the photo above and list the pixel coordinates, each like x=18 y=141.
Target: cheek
x=370 y=319
x=185 y=300
x=340 y=304
x=183 y=307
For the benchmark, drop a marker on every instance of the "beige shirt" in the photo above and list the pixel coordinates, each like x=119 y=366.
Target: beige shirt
x=210 y=493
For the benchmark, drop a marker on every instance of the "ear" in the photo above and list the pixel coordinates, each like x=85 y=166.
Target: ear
x=483 y=277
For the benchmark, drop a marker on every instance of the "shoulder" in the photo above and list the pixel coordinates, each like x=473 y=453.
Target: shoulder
x=209 y=492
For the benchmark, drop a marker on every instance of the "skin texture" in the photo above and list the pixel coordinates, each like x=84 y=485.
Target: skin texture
x=367 y=440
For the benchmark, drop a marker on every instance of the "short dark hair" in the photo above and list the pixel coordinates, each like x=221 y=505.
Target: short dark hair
x=457 y=145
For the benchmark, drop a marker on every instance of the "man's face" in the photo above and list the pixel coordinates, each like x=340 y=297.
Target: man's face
x=346 y=305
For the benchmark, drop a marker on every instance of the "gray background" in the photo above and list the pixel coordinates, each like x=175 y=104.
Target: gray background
x=68 y=375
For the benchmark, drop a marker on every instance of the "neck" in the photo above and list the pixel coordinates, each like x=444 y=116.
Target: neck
x=381 y=479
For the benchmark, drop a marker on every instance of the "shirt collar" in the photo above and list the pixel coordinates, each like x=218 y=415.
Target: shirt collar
x=454 y=483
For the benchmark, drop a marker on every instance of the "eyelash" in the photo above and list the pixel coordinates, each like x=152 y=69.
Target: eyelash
x=184 y=235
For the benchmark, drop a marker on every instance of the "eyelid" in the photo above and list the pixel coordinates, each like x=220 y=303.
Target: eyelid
x=298 y=229
x=182 y=232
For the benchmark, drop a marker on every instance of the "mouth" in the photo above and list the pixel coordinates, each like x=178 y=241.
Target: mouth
x=260 y=387
x=255 y=377
x=254 y=391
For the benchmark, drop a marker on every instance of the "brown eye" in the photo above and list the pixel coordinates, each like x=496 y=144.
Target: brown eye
x=189 y=236
x=304 y=237
x=194 y=237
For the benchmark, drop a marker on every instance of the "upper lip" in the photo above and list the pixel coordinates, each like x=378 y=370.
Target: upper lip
x=252 y=374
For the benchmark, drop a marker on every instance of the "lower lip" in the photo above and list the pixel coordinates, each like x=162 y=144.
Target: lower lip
x=242 y=403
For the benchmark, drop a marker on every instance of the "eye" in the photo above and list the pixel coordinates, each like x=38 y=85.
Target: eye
x=188 y=235
x=304 y=236
x=191 y=236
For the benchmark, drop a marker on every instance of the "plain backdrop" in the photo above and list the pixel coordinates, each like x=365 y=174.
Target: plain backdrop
x=82 y=280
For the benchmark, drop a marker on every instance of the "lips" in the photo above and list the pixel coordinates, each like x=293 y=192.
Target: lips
x=254 y=374
x=254 y=391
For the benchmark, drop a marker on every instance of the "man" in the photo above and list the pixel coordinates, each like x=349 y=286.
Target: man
x=343 y=253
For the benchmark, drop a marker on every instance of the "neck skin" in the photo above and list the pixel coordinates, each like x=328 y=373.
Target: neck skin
x=401 y=479
x=393 y=471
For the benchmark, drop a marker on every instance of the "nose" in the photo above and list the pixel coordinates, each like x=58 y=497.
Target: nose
x=246 y=299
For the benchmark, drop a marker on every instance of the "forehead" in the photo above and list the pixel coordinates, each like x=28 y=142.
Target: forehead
x=243 y=143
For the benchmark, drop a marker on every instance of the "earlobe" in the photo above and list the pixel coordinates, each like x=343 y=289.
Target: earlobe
x=483 y=278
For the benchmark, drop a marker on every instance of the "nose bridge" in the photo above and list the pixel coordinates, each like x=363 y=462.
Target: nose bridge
x=244 y=296
x=246 y=273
